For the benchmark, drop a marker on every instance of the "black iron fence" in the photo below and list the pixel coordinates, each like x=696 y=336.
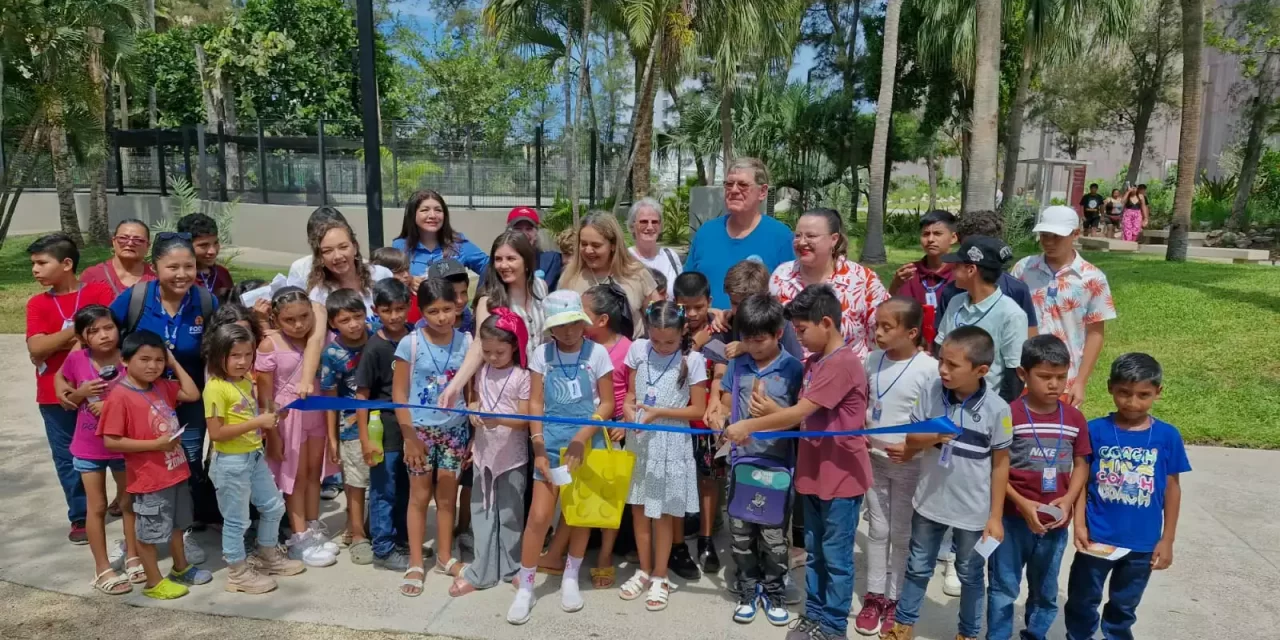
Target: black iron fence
x=252 y=164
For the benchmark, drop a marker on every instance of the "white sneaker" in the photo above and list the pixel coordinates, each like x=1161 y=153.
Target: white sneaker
x=950 y=580
x=328 y=545
x=303 y=547
x=115 y=555
x=190 y=548
x=522 y=607
x=570 y=596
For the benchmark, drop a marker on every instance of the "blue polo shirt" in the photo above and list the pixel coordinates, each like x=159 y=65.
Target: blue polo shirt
x=782 y=380
x=465 y=252
x=185 y=332
x=713 y=251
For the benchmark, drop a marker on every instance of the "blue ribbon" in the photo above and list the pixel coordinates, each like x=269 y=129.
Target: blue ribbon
x=941 y=424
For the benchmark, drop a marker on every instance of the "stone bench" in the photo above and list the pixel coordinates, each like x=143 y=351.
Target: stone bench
x=1216 y=254
x=1107 y=244
x=1161 y=236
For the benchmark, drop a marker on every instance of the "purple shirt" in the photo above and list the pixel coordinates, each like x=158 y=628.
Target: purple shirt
x=86 y=444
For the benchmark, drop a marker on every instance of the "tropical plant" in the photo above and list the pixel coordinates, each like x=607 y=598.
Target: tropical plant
x=1216 y=189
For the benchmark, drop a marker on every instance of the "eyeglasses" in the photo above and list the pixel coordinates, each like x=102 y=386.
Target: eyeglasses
x=130 y=241
x=741 y=185
x=810 y=237
x=648 y=223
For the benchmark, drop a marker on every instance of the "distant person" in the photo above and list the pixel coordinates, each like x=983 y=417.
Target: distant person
x=990 y=224
x=744 y=232
x=550 y=263
x=1092 y=203
x=645 y=222
x=1134 y=218
x=1114 y=206
x=924 y=279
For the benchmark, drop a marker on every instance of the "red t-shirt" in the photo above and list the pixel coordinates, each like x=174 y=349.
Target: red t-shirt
x=104 y=273
x=48 y=314
x=146 y=415
x=838 y=466
x=1035 y=442
x=414 y=314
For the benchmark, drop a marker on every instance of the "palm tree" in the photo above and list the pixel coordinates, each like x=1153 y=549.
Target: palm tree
x=110 y=44
x=1189 y=136
x=873 y=249
x=981 y=186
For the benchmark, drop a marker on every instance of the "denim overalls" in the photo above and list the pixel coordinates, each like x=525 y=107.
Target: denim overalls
x=568 y=391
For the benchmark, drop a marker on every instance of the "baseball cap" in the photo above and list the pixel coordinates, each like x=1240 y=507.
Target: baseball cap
x=1059 y=220
x=446 y=269
x=523 y=213
x=981 y=251
x=563 y=306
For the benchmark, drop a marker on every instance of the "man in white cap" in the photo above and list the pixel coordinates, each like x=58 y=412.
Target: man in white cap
x=1071 y=296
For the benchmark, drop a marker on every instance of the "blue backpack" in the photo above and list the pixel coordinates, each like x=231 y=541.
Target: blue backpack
x=759 y=485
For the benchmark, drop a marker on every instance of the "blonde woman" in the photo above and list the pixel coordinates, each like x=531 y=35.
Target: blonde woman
x=601 y=258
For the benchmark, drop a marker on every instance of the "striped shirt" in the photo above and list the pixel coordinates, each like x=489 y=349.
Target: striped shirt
x=1040 y=440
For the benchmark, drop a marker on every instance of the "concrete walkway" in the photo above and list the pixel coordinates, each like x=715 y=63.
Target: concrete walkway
x=1223 y=583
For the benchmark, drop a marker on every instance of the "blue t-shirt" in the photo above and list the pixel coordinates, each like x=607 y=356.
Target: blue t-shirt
x=467 y=325
x=782 y=380
x=465 y=251
x=432 y=370
x=1128 y=473
x=1011 y=286
x=713 y=251
x=185 y=332
x=338 y=364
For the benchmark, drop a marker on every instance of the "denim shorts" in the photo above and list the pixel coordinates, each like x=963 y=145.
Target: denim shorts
x=115 y=465
x=160 y=513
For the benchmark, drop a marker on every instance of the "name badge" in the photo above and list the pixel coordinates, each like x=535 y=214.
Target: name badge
x=575 y=389
x=651 y=396
x=1049 y=480
x=876 y=411
x=931 y=298
x=944 y=459
x=68 y=323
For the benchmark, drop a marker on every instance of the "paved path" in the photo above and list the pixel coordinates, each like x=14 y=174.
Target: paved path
x=1223 y=583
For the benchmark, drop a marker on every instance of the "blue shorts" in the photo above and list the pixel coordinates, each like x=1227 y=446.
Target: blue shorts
x=92 y=466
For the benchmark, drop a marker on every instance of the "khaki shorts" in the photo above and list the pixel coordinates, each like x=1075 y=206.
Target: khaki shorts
x=355 y=473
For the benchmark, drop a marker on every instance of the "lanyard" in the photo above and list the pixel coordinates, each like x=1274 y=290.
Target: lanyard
x=253 y=403
x=563 y=368
x=493 y=407
x=1151 y=427
x=880 y=394
x=211 y=281
x=1062 y=427
x=436 y=366
x=982 y=317
x=147 y=396
x=172 y=322
x=67 y=318
x=648 y=372
x=963 y=408
x=928 y=289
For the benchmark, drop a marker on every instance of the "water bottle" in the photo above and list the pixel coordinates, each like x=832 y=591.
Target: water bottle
x=107 y=374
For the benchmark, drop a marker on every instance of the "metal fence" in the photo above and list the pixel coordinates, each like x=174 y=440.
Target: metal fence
x=326 y=165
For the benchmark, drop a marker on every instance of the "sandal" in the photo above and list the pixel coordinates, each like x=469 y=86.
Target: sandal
x=408 y=584
x=116 y=585
x=603 y=577
x=550 y=571
x=460 y=587
x=634 y=586
x=659 y=591
x=136 y=574
x=451 y=568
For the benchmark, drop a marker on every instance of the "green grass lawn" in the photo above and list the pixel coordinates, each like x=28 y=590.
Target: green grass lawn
x=1212 y=326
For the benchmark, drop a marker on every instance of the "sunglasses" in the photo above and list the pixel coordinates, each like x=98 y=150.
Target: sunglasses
x=172 y=235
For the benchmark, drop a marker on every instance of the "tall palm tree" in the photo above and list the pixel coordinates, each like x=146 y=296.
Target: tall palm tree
x=980 y=189
x=111 y=42
x=1189 y=136
x=745 y=36
x=873 y=249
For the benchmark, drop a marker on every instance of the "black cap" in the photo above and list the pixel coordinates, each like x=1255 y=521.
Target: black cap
x=982 y=251
x=446 y=269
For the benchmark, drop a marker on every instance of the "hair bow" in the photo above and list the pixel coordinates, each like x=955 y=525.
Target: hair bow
x=508 y=320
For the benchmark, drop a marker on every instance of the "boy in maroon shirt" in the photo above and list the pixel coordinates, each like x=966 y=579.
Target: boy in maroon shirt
x=204 y=239
x=139 y=421
x=924 y=279
x=51 y=336
x=832 y=473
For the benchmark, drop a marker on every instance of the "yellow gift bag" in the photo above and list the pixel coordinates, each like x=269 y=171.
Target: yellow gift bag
x=598 y=494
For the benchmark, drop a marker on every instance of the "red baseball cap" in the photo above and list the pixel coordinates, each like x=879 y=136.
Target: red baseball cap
x=523 y=213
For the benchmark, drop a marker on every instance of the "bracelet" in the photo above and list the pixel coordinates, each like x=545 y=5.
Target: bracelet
x=537 y=436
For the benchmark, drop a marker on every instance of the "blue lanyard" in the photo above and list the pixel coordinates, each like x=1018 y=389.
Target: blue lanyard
x=649 y=379
x=963 y=408
x=146 y=396
x=1062 y=427
x=982 y=317
x=880 y=395
x=1151 y=427
x=172 y=322
x=440 y=369
x=562 y=367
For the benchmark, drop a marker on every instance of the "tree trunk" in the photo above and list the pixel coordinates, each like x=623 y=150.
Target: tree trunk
x=931 y=165
x=873 y=249
x=153 y=118
x=1013 y=137
x=231 y=127
x=1141 y=124
x=15 y=174
x=966 y=154
x=980 y=190
x=1189 y=136
x=726 y=123
x=67 y=217
x=634 y=142
x=98 y=231
x=582 y=98
x=570 y=137
x=1258 y=117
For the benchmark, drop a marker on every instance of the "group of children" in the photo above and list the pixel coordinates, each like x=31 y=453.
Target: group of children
x=1022 y=467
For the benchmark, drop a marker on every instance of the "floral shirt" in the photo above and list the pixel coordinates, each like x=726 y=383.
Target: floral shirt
x=859 y=290
x=1066 y=301
x=338 y=364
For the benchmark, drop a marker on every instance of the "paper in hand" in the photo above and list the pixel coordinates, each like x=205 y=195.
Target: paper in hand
x=714 y=351
x=986 y=546
x=560 y=476
x=248 y=298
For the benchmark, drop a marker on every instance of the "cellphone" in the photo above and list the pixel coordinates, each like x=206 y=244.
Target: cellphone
x=715 y=351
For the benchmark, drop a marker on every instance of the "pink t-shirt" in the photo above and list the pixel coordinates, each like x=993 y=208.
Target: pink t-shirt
x=86 y=444
x=500 y=449
x=618 y=356
x=839 y=466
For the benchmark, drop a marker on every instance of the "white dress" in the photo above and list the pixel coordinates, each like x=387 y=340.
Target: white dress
x=665 y=480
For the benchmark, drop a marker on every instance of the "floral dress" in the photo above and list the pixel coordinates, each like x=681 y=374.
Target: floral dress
x=665 y=480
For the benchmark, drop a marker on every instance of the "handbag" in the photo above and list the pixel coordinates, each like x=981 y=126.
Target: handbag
x=759 y=485
x=598 y=494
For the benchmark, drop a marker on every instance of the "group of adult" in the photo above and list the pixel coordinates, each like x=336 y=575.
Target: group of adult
x=1127 y=212
x=515 y=273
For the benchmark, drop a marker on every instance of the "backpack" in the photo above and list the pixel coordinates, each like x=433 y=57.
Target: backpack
x=759 y=485
x=138 y=300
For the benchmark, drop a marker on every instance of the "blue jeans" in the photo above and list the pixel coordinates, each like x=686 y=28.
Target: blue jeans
x=1129 y=576
x=1042 y=557
x=59 y=428
x=243 y=478
x=926 y=539
x=829 y=529
x=388 y=503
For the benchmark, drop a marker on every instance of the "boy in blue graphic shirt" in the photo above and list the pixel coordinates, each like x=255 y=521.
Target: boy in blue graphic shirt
x=1131 y=503
x=338 y=363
